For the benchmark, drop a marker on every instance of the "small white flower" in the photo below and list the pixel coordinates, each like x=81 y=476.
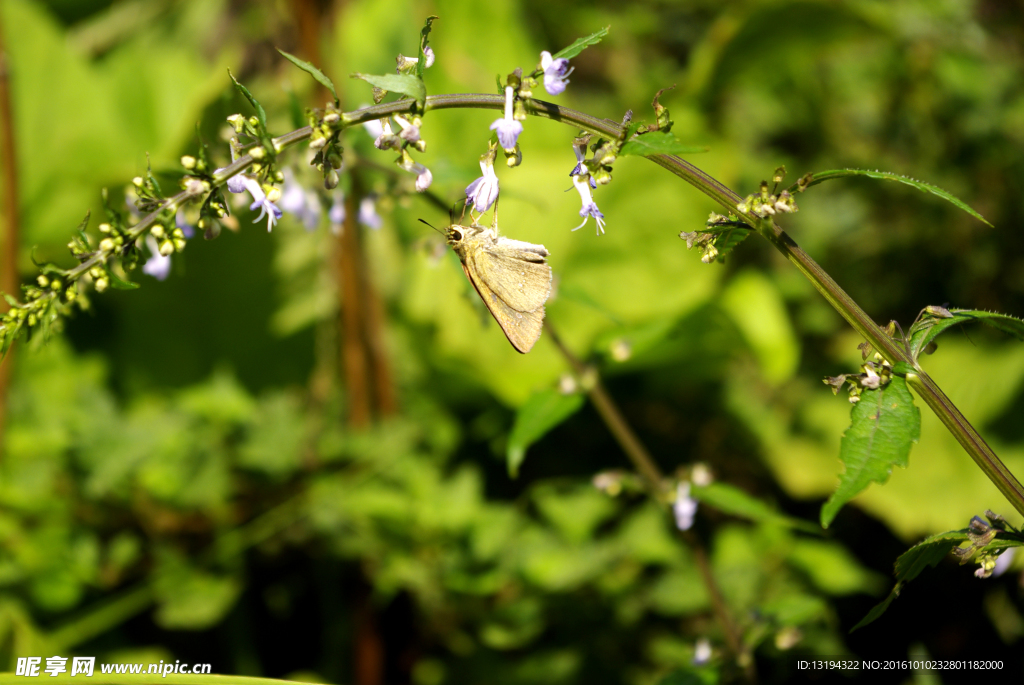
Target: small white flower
x=410 y=130
x=387 y=140
x=702 y=652
x=373 y=126
x=507 y=128
x=556 y=73
x=158 y=265
x=484 y=191
x=428 y=57
x=685 y=507
x=368 y=213
x=589 y=208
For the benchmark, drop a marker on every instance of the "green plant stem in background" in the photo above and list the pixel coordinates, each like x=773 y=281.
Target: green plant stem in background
x=657 y=488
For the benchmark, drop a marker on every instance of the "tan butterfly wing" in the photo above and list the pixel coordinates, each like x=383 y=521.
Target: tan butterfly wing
x=521 y=328
x=519 y=277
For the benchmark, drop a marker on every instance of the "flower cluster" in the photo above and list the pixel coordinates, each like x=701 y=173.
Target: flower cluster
x=874 y=374
x=765 y=204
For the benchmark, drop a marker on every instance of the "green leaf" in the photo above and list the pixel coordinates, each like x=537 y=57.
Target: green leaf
x=398 y=83
x=120 y=283
x=883 y=425
x=658 y=143
x=582 y=44
x=318 y=75
x=542 y=412
x=930 y=326
x=424 y=42
x=732 y=500
x=261 y=115
x=821 y=176
x=910 y=564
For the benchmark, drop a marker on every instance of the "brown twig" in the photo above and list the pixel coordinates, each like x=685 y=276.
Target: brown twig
x=657 y=487
x=9 y=280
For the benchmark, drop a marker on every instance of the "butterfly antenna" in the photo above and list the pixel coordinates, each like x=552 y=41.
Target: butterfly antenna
x=432 y=226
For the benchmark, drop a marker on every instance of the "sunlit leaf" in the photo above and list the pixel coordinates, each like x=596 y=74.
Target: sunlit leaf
x=582 y=44
x=261 y=115
x=883 y=425
x=318 y=75
x=822 y=176
x=397 y=83
x=659 y=143
x=931 y=326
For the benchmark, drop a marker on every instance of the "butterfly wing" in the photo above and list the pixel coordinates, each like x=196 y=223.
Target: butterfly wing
x=522 y=328
x=517 y=273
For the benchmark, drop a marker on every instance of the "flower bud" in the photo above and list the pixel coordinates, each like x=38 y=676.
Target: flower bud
x=137 y=181
x=157 y=231
x=273 y=193
x=104 y=228
x=188 y=161
x=332 y=118
x=257 y=153
x=101 y=284
x=237 y=122
x=43 y=281
x=331 y=180
x=107 y=245
x=167 y=248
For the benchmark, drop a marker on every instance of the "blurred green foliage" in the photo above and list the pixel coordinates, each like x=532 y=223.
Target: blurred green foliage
x=178 y=475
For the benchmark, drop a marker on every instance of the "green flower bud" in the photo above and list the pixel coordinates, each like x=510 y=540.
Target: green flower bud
x=167 y=248
x=257 y=153
x=157 y=231
x=188 y=161
x=137 y=181
x=107 y=245
x=331 y=180
x=42 y=280
x=104 y=228
x=179 y=244
x=101 y=284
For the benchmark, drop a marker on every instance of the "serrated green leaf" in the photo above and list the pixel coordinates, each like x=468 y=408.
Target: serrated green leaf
x=542 y=412
x=883 y=425
x=910 y=564
x=317 y=75
x=658 y=143
x=925 y=330
x=424 y=42
x=729 y=239
x=582 y=44
x=732 y=500
x=822 y=176
x=261 y=115
x=398 y=83
x=120 y=283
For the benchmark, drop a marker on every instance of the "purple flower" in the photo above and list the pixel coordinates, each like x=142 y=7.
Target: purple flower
x=368 y=213
x=158 y=265
x=581 y=154
x=410 y=129
x=336 y=214
x=589 y=208
x=187 y=229
x=1003 y=561
x=556 y=72
x=301 y=202
x=484 y=191
x=267 y=207
x=507 y=128
x=685 y=507
x=423 y=176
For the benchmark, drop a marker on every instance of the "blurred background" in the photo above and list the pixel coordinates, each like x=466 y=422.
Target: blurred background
x=289 y=458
